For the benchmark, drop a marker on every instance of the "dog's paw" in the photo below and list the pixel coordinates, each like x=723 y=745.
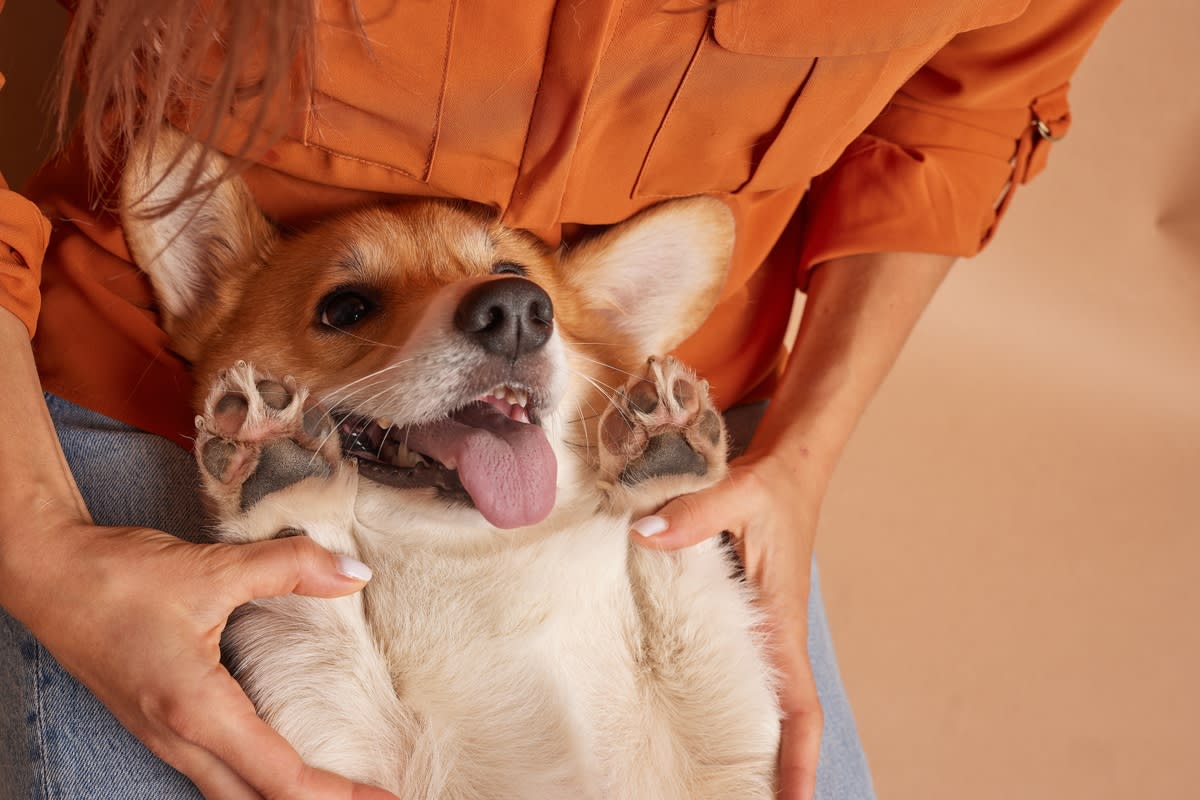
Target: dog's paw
x=256 y=437
x=661 y=436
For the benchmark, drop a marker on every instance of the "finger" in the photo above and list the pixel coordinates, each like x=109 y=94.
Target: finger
x=293 y=565
x=264 y=759
x=799 y=751
x=212 y=777
x=803 y=723
x=689 y=519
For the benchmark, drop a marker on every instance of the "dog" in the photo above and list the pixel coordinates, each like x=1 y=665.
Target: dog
x=478 y=417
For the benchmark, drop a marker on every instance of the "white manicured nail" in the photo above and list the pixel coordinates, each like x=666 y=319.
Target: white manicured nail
x=650 y=526
x=353 y=568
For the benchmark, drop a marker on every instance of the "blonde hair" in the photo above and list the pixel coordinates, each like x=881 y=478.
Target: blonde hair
x=139 y=60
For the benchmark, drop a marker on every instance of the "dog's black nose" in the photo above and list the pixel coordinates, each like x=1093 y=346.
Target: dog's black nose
x=509 y=317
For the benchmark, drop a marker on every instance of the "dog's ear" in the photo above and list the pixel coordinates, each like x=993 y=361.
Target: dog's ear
x=654 y=278
x=198 y=252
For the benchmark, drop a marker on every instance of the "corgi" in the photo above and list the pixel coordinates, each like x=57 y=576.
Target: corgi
x=479 y=418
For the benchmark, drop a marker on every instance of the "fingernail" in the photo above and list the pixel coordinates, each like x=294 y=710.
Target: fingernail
x=650 y=526
x=353 y=568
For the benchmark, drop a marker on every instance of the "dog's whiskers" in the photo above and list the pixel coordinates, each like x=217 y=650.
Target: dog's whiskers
x=336 y=397
x=353 y=412
x=333 y=431
x=604 y=389
x=608 y=366
x=601 y=387
x=371 y=342
x=594 y=415
x=579 y=418
x=382 y=441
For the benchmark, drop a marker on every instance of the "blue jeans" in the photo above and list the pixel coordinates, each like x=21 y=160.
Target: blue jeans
x=57 y=741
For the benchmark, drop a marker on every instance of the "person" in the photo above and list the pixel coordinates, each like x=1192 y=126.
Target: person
x=860 y=146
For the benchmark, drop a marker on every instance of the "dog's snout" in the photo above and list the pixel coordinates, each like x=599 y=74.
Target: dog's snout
x=508 y=317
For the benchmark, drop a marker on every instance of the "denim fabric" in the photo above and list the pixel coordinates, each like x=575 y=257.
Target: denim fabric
x=842 y=773
x=57 y=742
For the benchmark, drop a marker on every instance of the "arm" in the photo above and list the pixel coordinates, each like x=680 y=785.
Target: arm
x=859 y=312
x=933 y=174
x=95 y=598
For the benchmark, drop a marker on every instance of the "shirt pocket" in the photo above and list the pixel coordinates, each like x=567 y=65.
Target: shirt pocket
x=775 y=91
x=378 y=91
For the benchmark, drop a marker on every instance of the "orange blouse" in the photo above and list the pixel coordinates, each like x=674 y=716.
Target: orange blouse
x=830 y=127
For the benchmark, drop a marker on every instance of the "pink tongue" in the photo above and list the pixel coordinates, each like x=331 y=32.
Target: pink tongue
x=506 y=466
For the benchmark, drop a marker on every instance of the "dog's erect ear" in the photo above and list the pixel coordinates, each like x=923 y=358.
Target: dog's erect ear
x=200 y=252
x=655 y=277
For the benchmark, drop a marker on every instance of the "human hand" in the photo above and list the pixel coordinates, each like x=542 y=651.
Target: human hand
x=772 y=525
x=137 y=617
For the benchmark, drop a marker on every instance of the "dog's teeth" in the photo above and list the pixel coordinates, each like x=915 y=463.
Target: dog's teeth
x=403 y=457
x=510 y=395
x=384 y=422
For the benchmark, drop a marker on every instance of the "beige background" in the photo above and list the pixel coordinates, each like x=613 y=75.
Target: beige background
x=1010 y=546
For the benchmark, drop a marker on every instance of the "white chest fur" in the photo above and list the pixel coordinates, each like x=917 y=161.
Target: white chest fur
x=563 y=664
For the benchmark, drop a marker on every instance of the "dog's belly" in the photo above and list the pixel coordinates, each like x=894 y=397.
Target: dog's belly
x=559 y=668
x=514 y=658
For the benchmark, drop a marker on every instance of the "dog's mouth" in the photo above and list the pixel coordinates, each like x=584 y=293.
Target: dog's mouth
x=491 y=453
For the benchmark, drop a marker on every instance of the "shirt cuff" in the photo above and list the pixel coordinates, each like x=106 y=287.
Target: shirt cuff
x=926 y=182
x=24 y=235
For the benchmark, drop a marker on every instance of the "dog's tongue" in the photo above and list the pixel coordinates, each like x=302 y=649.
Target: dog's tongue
x=506 y=466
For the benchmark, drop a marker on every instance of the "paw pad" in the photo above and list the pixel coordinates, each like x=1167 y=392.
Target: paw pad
x=256 y=438
x=662 y=424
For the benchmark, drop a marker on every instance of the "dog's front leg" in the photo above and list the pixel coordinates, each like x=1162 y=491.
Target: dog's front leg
x=660 y=438
x=699 y=655
x=310 y=665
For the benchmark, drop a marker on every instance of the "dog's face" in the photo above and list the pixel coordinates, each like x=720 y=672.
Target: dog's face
x=466 y=363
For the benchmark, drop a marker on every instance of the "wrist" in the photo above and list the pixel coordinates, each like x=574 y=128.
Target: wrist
x=38 y=496
x=796 y=467
x=804 y=437
x=857 y=316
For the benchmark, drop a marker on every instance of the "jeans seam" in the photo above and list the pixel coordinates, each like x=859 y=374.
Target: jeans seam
x=39 y=731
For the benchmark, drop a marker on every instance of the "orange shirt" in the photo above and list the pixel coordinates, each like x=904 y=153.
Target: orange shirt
x=913 y=121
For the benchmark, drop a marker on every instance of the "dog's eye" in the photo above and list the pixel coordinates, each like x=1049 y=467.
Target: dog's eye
x=344 y=308
x=508 y=268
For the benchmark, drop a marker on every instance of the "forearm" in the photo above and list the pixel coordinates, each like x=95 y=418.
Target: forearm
x=37 y=490
x=858 y=315
x=859 y=312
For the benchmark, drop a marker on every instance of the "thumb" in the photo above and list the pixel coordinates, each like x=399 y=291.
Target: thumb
x=688 y=519
x=294 y=565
